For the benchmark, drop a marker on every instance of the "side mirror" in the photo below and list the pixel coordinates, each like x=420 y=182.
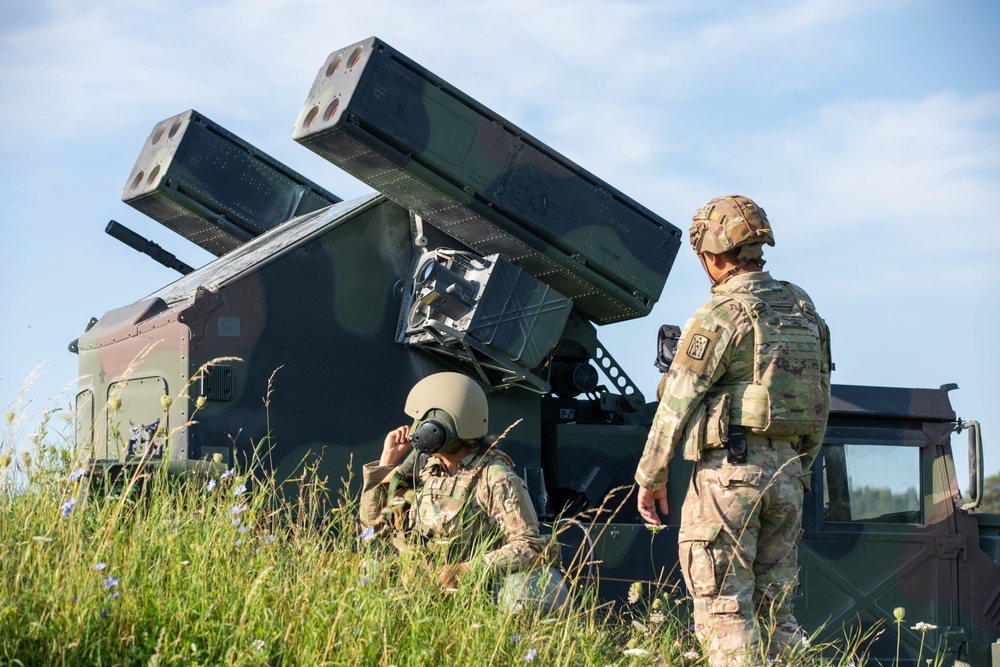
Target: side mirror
x=975 y=465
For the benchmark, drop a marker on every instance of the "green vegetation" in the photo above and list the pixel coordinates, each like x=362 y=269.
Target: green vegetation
x=214 y=569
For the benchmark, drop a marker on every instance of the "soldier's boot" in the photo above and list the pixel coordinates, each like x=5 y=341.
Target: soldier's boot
x=727 y=632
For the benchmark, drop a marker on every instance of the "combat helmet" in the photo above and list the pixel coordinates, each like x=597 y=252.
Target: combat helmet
x=448 y=409
x=730 y=222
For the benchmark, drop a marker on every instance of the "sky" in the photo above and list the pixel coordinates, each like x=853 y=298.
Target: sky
x=868 y=130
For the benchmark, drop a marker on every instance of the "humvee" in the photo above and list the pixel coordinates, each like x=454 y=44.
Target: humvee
x=485 y=251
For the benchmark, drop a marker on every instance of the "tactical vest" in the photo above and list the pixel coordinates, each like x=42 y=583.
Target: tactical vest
x=443 y=512
x=787 y=395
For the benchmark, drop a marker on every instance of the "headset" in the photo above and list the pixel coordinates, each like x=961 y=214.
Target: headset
x=435 y=433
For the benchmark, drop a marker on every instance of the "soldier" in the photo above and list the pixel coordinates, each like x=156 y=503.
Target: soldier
x=747 y=398
x=467 y=509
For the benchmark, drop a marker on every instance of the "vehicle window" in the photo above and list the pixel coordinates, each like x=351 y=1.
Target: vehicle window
x=874 y=483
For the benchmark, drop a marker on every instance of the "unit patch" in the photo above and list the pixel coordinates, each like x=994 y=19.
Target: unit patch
x=697 y=347
x=698 y=350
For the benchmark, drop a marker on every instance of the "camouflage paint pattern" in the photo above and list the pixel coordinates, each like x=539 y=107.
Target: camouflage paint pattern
x=489 y=184
x=213 y=188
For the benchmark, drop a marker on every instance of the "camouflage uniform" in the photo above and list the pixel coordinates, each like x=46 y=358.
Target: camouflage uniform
x=482 y=515
x=740 y=523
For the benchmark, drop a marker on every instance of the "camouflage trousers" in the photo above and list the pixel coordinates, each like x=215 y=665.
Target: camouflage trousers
x=738 y=547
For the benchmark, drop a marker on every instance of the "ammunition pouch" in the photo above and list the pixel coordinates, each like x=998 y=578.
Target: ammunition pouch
x=708 y=427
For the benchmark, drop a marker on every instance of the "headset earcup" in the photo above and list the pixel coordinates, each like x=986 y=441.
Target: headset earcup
x=430 y=436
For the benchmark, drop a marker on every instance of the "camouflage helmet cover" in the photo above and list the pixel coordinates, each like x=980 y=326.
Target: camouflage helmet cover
x=456 y=394
x=730 y=222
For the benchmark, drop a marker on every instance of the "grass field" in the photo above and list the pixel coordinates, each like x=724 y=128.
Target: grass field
x=215 y=569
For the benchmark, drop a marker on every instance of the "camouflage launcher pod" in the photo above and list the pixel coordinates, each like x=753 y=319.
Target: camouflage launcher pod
x=380 y=116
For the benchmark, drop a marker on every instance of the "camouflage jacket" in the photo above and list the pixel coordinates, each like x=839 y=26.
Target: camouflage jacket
x=726 y=358
x=483 y=511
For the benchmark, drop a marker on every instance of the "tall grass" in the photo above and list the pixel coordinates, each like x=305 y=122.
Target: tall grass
x=212 y=569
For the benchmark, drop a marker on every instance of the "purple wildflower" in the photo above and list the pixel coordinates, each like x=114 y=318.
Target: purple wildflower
x=100 y=566
x=269 y=538
x=238 y=509
x=210 y=485
x=238 y=542
x=113 y=595
x=236 y=522
x=226 y=474
x=67 y=507
x=366 y=580
x=111 y=582
x=368 y=533
x=516 y=637
x=242 y=529
x=530 y=655
x=240 y=490
x=76 y=474
x=104 y=613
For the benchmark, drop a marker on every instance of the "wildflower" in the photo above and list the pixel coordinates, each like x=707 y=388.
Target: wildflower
x=217 y=458
x=634 y=592
x=104 y=613
x=185 y=562
x=258 y=645
x=113 y=595
x=115 y=403
x=76 y=474
x=898 y=613
x=111 y=582
x=366 y=580
x=41 y=538
x=26 y=459
x=269 y=538
x=690 y=655
x=242 y=529
x=238 y=542
x=657 y=617
x=516 y=637
x=240 y=490
x=238 y=509
x=228 y=473
x=199 y=402
x=67 y=507
x=166 y=401
x=530 y=655
x=639 y=626
x=100 y=566
x=636 y=651
x=236 y=522
x=5 y=461
x=368 y=533
x=923 y=627
x=210 y=485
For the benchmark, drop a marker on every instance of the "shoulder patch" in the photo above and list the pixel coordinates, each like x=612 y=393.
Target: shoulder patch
x=698 y=350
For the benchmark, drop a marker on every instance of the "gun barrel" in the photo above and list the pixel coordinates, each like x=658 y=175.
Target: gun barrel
x=146 y=247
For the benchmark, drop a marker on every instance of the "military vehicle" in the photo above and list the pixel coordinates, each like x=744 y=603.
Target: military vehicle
x=485 y=251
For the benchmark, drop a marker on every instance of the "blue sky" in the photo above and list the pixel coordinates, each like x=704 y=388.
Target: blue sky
x=868 y=130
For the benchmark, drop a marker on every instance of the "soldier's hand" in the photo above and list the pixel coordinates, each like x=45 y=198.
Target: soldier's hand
x=649 y=500
x=397 y=442
x=450 y=574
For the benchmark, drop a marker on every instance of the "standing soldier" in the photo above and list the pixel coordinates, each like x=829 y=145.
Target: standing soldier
x=746 y=398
